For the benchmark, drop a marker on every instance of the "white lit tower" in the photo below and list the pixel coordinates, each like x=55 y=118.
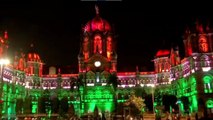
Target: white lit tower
x=162 y=66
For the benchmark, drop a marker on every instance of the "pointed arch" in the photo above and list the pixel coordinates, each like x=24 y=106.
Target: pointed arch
x=208 y=83
x=105 y=75
x=90 y=75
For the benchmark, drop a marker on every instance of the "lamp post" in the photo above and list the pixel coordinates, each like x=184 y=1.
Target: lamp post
x=2 y=63
x=153 y=99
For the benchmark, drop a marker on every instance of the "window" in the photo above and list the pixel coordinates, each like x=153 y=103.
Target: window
x=208 y=87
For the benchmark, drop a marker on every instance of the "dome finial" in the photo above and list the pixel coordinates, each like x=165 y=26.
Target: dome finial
x=31 y=45
x=96 y=9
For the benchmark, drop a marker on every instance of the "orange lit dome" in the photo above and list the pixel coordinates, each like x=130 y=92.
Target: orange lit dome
x=162 y=53
x=32 y=55
x=97 y=24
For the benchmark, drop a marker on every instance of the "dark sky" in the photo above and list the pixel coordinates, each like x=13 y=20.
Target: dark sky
x=141 y=29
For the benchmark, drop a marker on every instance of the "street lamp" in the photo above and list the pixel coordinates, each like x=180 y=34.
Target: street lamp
x=2 y=63
x=153 y=98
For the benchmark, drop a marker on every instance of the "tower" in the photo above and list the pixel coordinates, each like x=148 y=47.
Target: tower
x=199 y=40
x=34 y=63
x=97 y=57
x=162 y=66
x=97 y=61
x=3 y=45
x=174 y=56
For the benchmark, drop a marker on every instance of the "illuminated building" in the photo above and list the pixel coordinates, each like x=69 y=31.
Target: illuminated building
x=25 y=90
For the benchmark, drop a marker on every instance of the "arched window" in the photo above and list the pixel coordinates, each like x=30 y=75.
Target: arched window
x=98 y=44
x=208 y=85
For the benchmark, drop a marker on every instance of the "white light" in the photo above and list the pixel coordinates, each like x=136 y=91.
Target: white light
x=192 y=70
x=151 y=85
x=97 y=63
x=131 y=85
x=98 y=79
x=4 y=61
x=206 y=69
x=90 y=84
x=103 y=84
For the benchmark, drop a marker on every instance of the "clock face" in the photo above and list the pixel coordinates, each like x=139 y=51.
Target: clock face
x=97 y=63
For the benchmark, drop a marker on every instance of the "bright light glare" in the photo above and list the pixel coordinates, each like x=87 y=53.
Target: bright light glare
x=4 y=61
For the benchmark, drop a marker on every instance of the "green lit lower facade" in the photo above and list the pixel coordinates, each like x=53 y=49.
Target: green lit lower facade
x=193 y=94
x=181 y=85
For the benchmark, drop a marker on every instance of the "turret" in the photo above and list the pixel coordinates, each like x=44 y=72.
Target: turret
x=34 y=63
x=174 y=56
x=198 y=41
x=162 y=66
x=3 y=45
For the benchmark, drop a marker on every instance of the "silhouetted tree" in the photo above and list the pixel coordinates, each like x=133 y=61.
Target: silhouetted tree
x=140 y=92
x=148 y=102
x=185 y=102
x=71 y=110
x=27 y=105
x=120 y=108
x=41 y=105
x=64 y=106
x=169 y=101
x=96 y=115
x=55 y=105
x=19 y=105
x=113 y=79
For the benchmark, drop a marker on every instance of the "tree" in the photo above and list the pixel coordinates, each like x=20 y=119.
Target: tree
x=169 y=101
x=140 y=92
x=76 y=82
x=41 y=105
x=136 y=105
x=55 y=105
x=120 y=108
x=186 y=103
x=148 y=102
x=19 y=105
x=96 y=115
x=71 y=110
x=113 y=79
x=64 y=106
x=27 y=105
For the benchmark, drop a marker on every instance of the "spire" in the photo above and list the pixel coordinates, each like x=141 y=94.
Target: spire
x=31 y=45
x=59 y=70
x=207 y=27
x=5 y=35
x=137 y=70
x=32 y=48
x=97 y=10
x=199 y=27
x=197 y=24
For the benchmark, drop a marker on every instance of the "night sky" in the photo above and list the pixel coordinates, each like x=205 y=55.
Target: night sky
x=141 y=29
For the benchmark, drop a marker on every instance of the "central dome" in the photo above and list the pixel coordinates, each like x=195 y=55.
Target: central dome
x=97 y=23
x=162 y=53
